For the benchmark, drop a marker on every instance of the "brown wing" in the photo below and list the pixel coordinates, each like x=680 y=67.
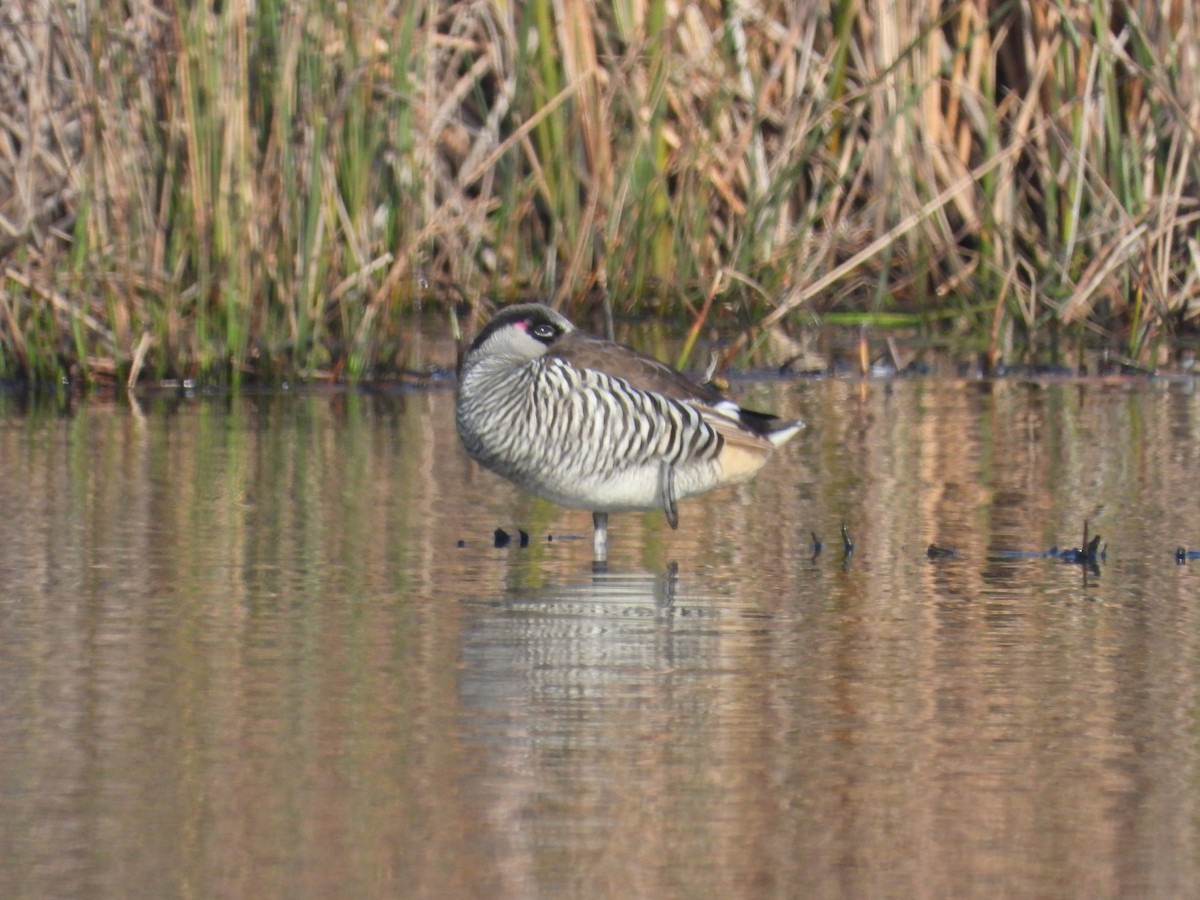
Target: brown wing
x=641 y=371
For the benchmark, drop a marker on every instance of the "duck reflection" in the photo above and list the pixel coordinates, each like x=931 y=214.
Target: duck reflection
x=600 y=636
x=593 y=707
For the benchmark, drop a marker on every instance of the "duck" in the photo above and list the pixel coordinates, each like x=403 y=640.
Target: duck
x=594 y=424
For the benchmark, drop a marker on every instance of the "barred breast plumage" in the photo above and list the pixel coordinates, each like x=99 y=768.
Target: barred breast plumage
x=593 y=424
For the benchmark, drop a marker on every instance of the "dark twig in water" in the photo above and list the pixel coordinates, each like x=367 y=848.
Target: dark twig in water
x=1091 y=554
x=936 y=552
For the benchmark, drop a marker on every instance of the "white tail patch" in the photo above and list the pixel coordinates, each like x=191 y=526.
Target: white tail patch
x=783 y=435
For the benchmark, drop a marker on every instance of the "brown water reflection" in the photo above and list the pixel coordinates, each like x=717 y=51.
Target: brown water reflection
x=241 y=654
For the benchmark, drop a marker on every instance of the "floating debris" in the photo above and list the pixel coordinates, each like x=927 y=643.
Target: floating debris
x=1183 y=554
x=524 y=537
x=501 y=538
x=936 y=552
x=1092 y=554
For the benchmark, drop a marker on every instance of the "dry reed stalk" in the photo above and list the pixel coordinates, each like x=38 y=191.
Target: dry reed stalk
x=803 y=295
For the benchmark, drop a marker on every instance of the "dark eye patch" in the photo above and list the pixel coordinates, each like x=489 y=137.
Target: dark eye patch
x=544 y=332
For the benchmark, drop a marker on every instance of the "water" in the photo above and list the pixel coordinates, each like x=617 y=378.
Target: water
x=243 y=654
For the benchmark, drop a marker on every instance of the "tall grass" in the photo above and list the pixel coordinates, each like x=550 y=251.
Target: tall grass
x=267 y=190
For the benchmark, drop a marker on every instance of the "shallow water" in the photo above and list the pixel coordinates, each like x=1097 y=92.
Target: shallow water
x=242 y=654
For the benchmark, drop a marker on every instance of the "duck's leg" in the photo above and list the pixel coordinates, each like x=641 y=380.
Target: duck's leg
x=600 y=537
x=666 y=489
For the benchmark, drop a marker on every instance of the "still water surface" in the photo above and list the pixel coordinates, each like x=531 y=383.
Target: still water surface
x=242 y=654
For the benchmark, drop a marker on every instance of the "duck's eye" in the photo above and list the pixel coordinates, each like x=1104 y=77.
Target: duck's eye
x=544 y=332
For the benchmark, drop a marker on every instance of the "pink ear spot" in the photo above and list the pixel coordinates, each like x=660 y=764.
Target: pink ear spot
x=522 y=325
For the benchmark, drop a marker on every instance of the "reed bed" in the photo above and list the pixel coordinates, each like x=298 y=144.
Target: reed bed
x=271 y=190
